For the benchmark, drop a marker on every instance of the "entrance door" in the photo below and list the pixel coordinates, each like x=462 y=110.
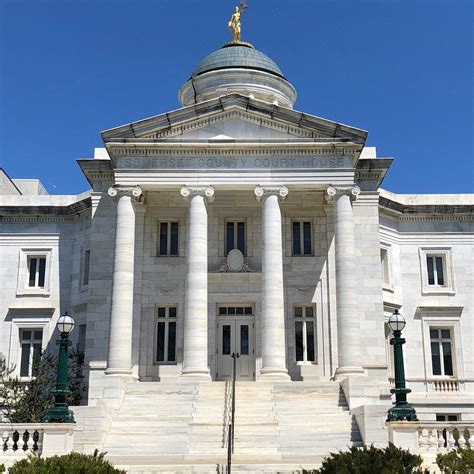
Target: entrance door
x=235 y=336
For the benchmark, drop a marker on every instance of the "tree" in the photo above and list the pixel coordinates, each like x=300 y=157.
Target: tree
x=27 y=401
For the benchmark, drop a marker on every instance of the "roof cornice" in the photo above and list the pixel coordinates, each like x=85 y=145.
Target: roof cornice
x=165 y=121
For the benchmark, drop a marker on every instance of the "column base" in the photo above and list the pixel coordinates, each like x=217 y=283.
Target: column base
x=270 y=374
x=120 y=372
x=195 y=374
x=343 y=372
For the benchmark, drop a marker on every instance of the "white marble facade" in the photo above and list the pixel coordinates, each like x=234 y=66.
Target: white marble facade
x=235 y=158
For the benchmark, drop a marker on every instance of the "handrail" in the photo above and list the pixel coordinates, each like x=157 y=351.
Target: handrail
x=230 y=436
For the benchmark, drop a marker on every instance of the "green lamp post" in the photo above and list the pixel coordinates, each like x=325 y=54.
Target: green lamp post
x=401 y=410
x=60 y=413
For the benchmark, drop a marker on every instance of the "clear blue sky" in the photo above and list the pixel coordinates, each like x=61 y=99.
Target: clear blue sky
x=401 y=69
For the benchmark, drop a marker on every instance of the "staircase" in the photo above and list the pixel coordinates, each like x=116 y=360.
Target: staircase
x=284 y=427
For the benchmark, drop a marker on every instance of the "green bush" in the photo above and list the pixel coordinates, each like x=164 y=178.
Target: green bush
x=2 y=468
x=73 y=463
x=461 y=460
x=391 y=460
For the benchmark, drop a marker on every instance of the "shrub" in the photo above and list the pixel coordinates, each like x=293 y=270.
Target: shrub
x=73 y=463
x=371 y=460
x=2 y=468
x=461 y=460
x=28 y=401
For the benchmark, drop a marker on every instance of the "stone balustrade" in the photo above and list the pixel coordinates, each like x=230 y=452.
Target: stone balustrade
x=443 y=437
x=45 y=439
x=430 y=438
x=447 y=385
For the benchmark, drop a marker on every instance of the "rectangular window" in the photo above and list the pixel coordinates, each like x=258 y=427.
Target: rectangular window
x=305 y=334
x=441 y=351
x=166 y=334
x=169 y=241
x=385 y=266
x=235 y=310
x=443 y=417
x=81 y=340
x=31 y=344
x=302 y=240
x=235 y=236
x=85 y=271
x=36 y=272
x=435 y=267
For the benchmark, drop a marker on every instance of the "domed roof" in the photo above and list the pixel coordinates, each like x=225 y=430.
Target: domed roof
x=240 y=56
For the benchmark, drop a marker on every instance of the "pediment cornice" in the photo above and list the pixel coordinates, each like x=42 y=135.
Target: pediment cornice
x=204 y=114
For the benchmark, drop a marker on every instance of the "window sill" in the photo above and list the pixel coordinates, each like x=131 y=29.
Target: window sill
x=33 y=292
x=84 y=288
x=305 y=363
x=164 y=363
x=388 y=287
x=437 y=290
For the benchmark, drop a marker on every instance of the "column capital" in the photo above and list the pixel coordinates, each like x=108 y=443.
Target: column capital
x=333 y=192
x=116 y=191
x=204 y=191
x=262 y=191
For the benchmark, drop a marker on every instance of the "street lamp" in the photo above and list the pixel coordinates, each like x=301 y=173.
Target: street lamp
x=60 y=413
x=401 y=409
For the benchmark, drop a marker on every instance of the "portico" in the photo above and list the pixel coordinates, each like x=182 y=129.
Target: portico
x=268 y=324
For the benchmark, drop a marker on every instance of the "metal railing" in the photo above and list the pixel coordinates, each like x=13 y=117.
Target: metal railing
x=231 y=428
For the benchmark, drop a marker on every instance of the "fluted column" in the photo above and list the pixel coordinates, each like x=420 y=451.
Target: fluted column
x=195 y=358
x=273 y=308
x=119 y=361
x=348 y=326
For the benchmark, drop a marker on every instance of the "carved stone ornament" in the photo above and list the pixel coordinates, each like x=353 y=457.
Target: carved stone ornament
x=262 y=191
x=205 y=191
x=332 y=192
x=245 y=269
x=116 y=192
x=167 y=290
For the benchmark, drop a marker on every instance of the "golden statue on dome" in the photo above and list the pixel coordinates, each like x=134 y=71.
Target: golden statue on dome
x=234 y=22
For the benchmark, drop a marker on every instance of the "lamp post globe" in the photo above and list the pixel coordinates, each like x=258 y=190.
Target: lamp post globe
x=65 y=324
x=401 y=410
x=396 y=321
x=60 y=413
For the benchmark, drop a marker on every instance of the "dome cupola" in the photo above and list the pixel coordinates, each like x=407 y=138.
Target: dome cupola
x=237 y=67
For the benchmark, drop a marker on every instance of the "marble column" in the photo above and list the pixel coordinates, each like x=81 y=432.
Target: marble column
x=273 y=305
x=195 y=357
x=119 y=361
x=348 y=325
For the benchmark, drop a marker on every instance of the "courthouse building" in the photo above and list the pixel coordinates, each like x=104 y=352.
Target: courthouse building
x=238 y=224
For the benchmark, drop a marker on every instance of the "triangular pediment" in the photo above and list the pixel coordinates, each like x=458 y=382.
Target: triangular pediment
x=234 y=117
x=232 y=124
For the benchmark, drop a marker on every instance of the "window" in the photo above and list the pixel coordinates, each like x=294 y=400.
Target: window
x=302 y=244
x=441 y=351
x=166 y=334
x=168 y=239
x=385 y=266
x=447 y=417
x=304 y=334
x=86 y=266
x=81 y=340
x=235 y=236
x=31 y=343
x=36 y=271
x=436 y=270
x=235 y=310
